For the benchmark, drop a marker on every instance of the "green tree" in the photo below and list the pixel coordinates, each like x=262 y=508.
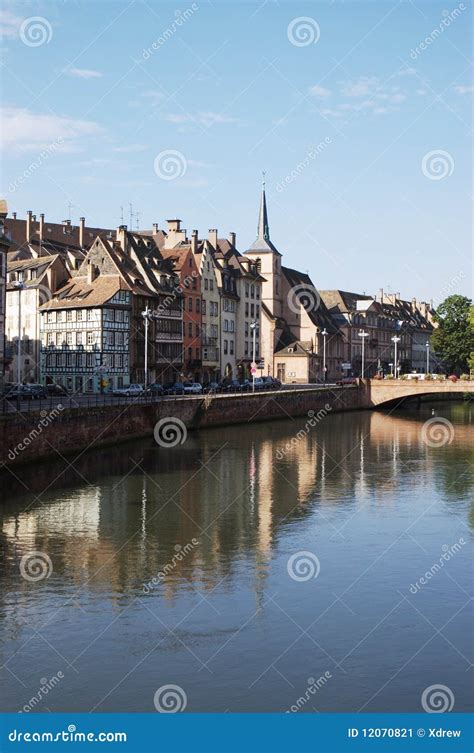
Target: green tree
x=453 y=339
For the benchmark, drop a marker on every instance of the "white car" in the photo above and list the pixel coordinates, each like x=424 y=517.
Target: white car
x=133 y=390
x=421 y=377
x=192 y=388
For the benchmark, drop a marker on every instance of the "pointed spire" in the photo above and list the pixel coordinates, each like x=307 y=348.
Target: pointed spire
x=263 y=231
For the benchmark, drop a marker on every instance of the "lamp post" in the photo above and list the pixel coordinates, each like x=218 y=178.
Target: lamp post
x=19 y=286
x=427 y=356
x=147 y=315
x=396 y=340
x=253 y=327
x=324 y=333
x=363 y=335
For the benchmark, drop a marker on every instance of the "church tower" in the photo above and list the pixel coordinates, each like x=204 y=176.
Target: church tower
x=270 y=260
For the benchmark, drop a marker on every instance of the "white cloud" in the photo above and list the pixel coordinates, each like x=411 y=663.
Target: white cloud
x=130 y=148
x=84 y=73
x=25 y=130
x=319 y=91
x=464 y=89
x=361 y=87
x=9 y=24
x=205 y=119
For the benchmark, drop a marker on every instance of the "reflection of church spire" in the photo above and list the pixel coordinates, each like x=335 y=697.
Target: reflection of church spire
x=263 y=230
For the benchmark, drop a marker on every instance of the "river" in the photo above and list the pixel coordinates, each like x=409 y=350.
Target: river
x=267 y=567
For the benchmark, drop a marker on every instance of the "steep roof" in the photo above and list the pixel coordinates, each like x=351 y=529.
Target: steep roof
x=263 y=244
x=316 y=310
x=78 y=293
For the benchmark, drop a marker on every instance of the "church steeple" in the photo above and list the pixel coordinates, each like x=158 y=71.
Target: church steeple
x=263 y=230
x=263 y=243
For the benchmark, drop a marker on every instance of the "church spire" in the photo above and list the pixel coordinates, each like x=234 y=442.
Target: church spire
x=263 y=231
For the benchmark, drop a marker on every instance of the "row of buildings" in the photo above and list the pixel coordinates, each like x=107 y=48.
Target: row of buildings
x=82 y=306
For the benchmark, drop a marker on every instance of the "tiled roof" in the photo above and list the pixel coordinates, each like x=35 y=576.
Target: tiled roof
x=319 y=315
x=78 y=293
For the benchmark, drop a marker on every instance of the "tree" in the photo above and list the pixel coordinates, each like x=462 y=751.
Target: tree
x=453 y=340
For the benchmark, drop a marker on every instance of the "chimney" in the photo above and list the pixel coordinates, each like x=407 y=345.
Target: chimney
x=121 y=236
x=413 y=304
x=82 y=224
x=91 y=272
x=194 y=241
x=28 y=225
x=155 y=227
x=212 y=237
x=173 y=226
x=14 y=215
x=232 y=237
x=41 y=228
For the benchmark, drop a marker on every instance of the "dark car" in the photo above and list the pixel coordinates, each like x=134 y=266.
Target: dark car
x=56 y=389
x=22 y=392
x=232 y=386
x=175 y=388
x=346 y=380
x=155 y=389
x=39 y=391
x=271 y=383
x=211 y=388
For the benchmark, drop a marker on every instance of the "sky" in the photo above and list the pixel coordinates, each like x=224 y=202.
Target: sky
x=359 y=113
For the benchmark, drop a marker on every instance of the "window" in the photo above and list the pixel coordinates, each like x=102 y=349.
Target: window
x=90 y=338
x=198 y=354
x=226 y=325
x=257 y=292
x=190 y=329
x=252 y=309
x=78 y=338
x=231 y=326
x=89 y=315
x=49 y=317
x=197 y=330
x=190 y=304
x=190 y=354
x=246 y=290
x=246 y=348
x=203 y=307
x=198 y=305
x=252 y=291
x=211 y=284
x=231 y=347
x=50 y=338
x=69 y=316
x=206 y=284
x=69 y=337
x=226 y=347
x=59 y=316
x=246 y=309
x=246 y=329
x=119 y=315
x=79 y=315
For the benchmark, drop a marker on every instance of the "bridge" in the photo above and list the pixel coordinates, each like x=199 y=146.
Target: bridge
x=381 y=392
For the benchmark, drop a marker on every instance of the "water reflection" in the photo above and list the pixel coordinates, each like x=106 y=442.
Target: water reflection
x=122 y=516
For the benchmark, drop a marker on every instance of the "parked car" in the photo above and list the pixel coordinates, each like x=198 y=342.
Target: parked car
x=415 y=376
x=192 y=388
x=272 y=383
x=174 y=388
x=39 y=391
x=346 y=380
x=56 y=389
x=23 y=392
x=231 y=386
x=261 y=384
x=133 y=390
x=211 y=388
x=155 y=389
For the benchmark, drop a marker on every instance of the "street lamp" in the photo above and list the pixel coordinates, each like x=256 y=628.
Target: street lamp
x=19 y=286
x=147 y=315
x=253 y=327
x=396 y=340
x=427 y=356
x=363 y=335
x=324 y=333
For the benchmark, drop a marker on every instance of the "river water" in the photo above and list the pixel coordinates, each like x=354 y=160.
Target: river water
x=256 y=568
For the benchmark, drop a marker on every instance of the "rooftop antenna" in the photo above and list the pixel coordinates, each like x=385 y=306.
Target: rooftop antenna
x=263 y=179
x=69 y=207
x=121 y=216
x=131 y=216
x=137 y=215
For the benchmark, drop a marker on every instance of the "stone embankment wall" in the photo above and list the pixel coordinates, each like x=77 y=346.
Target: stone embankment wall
x=34 y=436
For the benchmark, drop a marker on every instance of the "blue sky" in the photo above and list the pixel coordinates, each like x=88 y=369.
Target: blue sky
x=365 y=136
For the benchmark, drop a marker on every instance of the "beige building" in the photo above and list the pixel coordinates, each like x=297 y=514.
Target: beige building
x=4 y=246
x=299 y=341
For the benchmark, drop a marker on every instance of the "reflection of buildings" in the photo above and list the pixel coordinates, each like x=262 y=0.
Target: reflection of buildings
x=119 y=532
